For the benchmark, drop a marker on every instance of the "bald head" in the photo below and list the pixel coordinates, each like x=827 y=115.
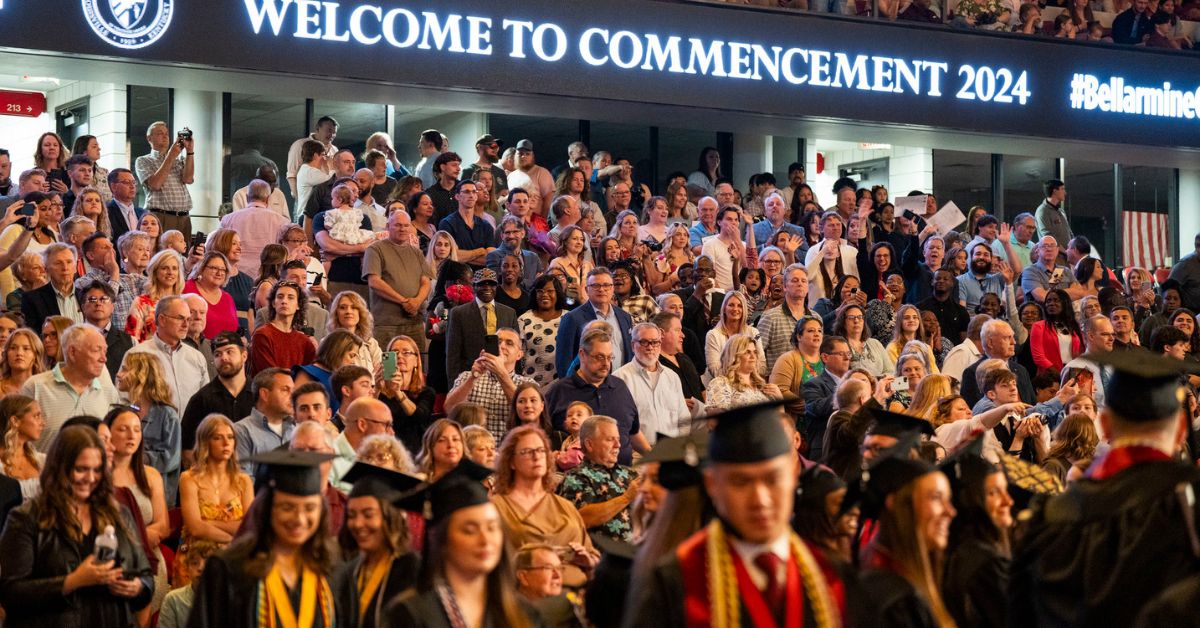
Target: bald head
x=368 y=415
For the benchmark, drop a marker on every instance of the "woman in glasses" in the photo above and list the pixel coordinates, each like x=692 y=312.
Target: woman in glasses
x=530 y=510
x=281 y=342
x=406 y=394
x=208 y=279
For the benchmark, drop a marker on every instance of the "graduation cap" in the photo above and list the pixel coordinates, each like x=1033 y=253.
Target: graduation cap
x=748 y=434
x=1144 y=386
x=894 y=424
x=1027 y=481
x=966 y=466
x=376 y=481
x=293 y=472
x=892 y=470
x=679 y=459
x=816 y=483
x=459 y=488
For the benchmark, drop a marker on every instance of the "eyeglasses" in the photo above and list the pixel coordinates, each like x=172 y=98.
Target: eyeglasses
x=408 y=354
x=175 y=317
x=387 y=425
x=295 y=241
x=840 y=354
x=598 y=357
x=854 y=317
x=95 y=300
x=649 y=344
x=601 y=286
x=220 y=270
x=532 y=452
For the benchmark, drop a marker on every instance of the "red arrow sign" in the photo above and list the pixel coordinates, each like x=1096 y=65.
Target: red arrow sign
x=24 y=104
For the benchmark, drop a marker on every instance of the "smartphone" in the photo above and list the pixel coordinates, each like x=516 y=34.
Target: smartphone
x=853 y=291
x=28 y=209
x=320 y=277
x=58 y=175
x=900 y=384
x=1037 y=416
x=198 y=239
x=389 y=365
x=491 y=344
x=1056 y=276
x=308 y=331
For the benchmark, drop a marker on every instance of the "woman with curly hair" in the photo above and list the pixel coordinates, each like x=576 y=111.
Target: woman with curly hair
x=280 y=342
x=1073 y=442
x=142 y=380
x=90 y=204
x=442 y=449
x=348 y=311
x=740 y=382
x=529 y=508
x=23 y=425
x=51 y=155
x=24 y=357
x=50 y=576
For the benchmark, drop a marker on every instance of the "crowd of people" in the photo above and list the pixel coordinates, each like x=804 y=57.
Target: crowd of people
x=493 y=393
x=1148 y=23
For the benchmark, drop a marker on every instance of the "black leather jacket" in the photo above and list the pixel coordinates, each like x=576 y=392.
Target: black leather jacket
x=34 y=563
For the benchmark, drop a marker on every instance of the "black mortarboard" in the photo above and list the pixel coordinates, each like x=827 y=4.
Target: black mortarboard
x=679 y=459
x=893 y=469
x=966 y=466
x=1144 y=386
x=814 y=486
x=1027 y=480
x=459 y=488
x=293 y=472
x=376 y=481
x=748 y=434
x=894 y=424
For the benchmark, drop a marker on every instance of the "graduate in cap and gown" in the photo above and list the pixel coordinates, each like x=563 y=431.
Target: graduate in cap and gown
x=902 y=565
x=746 y=567
x=1098 y=553
x=276 y=577
x=886 y=430
x=466 y=577
x=818 y=517
x=976 y=581
x=376 y=537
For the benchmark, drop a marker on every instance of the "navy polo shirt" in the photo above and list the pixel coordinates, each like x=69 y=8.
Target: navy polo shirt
x=611 y=398
x=481 y=236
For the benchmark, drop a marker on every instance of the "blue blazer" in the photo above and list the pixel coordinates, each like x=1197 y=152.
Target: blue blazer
x=116 y=218
x=570 y=328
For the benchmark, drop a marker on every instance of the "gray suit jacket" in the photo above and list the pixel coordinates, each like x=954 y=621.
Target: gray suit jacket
x=465 y=334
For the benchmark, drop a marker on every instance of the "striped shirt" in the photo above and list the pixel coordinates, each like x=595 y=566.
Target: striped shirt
x=60 y=401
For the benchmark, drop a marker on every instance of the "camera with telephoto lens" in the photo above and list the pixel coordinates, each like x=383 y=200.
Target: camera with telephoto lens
x=653 y=246
x=185 y=134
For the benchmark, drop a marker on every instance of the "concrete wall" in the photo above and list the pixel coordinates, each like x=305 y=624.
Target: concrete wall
x=107 y=121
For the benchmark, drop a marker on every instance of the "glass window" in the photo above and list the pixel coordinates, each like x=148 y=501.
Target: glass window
x=1090 y=204
x=965 y=178
x=679 y=150
x=356 y=122
x=550 y=136
x=262 y=130
x=147 y=105
x=1024 y=181
x=1153 y=190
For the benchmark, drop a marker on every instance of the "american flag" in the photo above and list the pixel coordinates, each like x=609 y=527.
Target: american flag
x=1145 y=236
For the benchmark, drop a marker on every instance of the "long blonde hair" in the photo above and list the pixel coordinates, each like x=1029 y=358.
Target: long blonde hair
x=152 y=287
x=925 y=399
x=147 y=380
x=736 y=346
x=366 y=322
x=204 y=432
x=735 y=294
x=102 y=224
x=15 y=406
x=434 y=264
x=39 y=352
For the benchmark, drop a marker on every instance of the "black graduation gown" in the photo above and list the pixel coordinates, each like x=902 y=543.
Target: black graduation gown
x=975 y=588
x=226 y=593
x=424 y=610
x=1176 y=607
x=892 y=601
x=1095 y=555
x=401 y=577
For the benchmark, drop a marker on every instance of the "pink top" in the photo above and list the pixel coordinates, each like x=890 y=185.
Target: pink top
x=222 y=315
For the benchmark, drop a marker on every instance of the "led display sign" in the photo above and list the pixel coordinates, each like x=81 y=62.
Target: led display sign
x=650 y=52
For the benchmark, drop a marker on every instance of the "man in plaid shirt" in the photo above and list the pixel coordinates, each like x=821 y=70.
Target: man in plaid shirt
x=166 y=172
x=491 y=382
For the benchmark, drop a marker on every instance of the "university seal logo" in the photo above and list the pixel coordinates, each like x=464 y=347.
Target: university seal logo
x=129 y=24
